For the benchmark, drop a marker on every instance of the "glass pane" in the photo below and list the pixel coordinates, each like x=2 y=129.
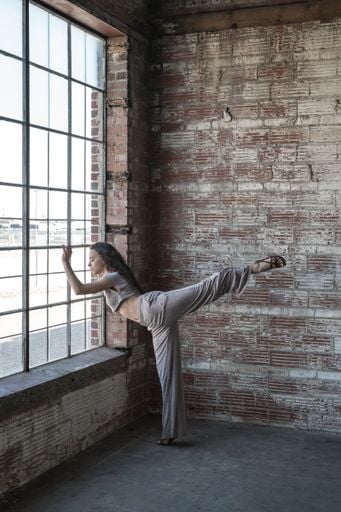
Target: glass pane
x=39 y=30
x=88 y=207
x=57 y=315
x=38 y=348
x=38 y=157
x=78 y=337
x=38 y=204
x=94 y=61
x=58 y=205
x=57 y=233
x=38 y=319
x=38 y=291
x=78 y=155
x=93 y=308
x=79 y=258
x=10 y=88
x=58 y=103
x=10 y=152
x=10 y=264
x=10 y=293
x=58 y=160
x=10 y=325
x=78 y=109
x=57 y=288
x=94 y=166
x=11 y=355
x=78 y=53
x=38 y=233
x=11 y=26
x=39 y=96
x=77 y=206
x=94 y=114
x=55 y=260
x=38 y=261
x=90 y=229
x=57 y=342
x=58 y=45
x=93 y=333
x=77 y=233
x=11 y=202
x=13 y=236
x=77 y=311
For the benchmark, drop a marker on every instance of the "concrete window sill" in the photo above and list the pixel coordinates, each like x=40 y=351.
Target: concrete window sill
x=25 y=391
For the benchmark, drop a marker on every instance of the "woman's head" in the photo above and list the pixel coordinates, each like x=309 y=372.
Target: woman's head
x=112 y=261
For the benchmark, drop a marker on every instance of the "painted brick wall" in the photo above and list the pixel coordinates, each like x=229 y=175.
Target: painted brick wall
x=246 y=161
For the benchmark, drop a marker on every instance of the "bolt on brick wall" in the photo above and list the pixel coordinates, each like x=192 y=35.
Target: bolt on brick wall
x=246 y=162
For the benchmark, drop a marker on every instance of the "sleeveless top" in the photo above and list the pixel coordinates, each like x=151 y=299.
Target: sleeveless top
x=123 y=290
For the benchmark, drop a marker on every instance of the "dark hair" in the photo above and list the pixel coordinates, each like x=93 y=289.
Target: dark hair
x=114 y=261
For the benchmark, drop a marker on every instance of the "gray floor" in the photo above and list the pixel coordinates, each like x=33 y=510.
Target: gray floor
x=219 y=467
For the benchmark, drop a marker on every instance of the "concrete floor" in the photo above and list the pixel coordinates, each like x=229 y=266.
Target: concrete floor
x=219 y=467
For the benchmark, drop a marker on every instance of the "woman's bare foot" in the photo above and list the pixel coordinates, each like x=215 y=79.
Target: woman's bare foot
x=268 y=263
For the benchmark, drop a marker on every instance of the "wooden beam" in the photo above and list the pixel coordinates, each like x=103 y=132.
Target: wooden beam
x=299 y=12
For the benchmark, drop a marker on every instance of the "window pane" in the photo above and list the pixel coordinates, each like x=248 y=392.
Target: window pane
x=79 y=258
x=13 y=236
x=78 y=53
x=38 y=348
x=10 y=293
x=57 y=233
x=77 y=311
x=11 y=355
x=10 y=88
x=78 y=337
x=78 y=155
x=57 y=342
x=38 y=261
x=10 y=152
x=39 y=97
x=57 y=315
x=11 y=202
x=38 y=291
x=39 y=30
x=57 y=288
x=38 y=233
x=38 y=157
x=94 y=166
x=10 y=264
x=10 y=325
x=77 y=206
x=11 y=26
x=93 y=333
x=58 y=103
x=94 y=114
x=58 y=205
x=78 y=109
x=55 y=260
x=38 y=204
x=38 y=319
x=58 y=160
x=77 y=233
x=94 y=61
x=58 y=45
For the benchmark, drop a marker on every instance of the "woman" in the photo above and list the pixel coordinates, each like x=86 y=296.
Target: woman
x=160 y=312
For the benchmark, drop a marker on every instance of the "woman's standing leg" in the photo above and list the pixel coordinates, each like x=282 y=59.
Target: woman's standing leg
x=168 y=363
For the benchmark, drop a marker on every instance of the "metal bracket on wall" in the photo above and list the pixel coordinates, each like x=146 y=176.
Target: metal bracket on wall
x=119 y=103
x=119 y=177
x=117 y=229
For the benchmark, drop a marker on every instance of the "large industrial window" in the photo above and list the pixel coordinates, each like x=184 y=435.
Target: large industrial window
x=52 y=85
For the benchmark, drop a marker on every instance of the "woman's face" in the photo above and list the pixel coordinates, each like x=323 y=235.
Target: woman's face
x=96 y=263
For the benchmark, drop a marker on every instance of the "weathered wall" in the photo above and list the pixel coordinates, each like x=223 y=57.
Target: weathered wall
x=245 y=162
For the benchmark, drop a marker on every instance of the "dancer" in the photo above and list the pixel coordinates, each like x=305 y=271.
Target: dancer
x=160 y=312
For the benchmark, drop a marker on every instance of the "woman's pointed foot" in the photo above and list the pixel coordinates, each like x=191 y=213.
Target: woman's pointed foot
x=165 y=441
x=268 y=263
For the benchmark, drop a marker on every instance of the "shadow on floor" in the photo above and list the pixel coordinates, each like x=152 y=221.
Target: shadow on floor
x=219 y=467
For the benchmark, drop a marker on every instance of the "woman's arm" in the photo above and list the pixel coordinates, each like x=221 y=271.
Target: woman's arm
x=77 y=286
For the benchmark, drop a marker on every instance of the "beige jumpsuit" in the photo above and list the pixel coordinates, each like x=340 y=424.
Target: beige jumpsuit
x=160 y=312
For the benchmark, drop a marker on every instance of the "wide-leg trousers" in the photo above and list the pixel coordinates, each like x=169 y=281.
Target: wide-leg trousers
x=160 y=312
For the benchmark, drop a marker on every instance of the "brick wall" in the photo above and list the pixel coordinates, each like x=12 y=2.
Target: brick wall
x=245 y=162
